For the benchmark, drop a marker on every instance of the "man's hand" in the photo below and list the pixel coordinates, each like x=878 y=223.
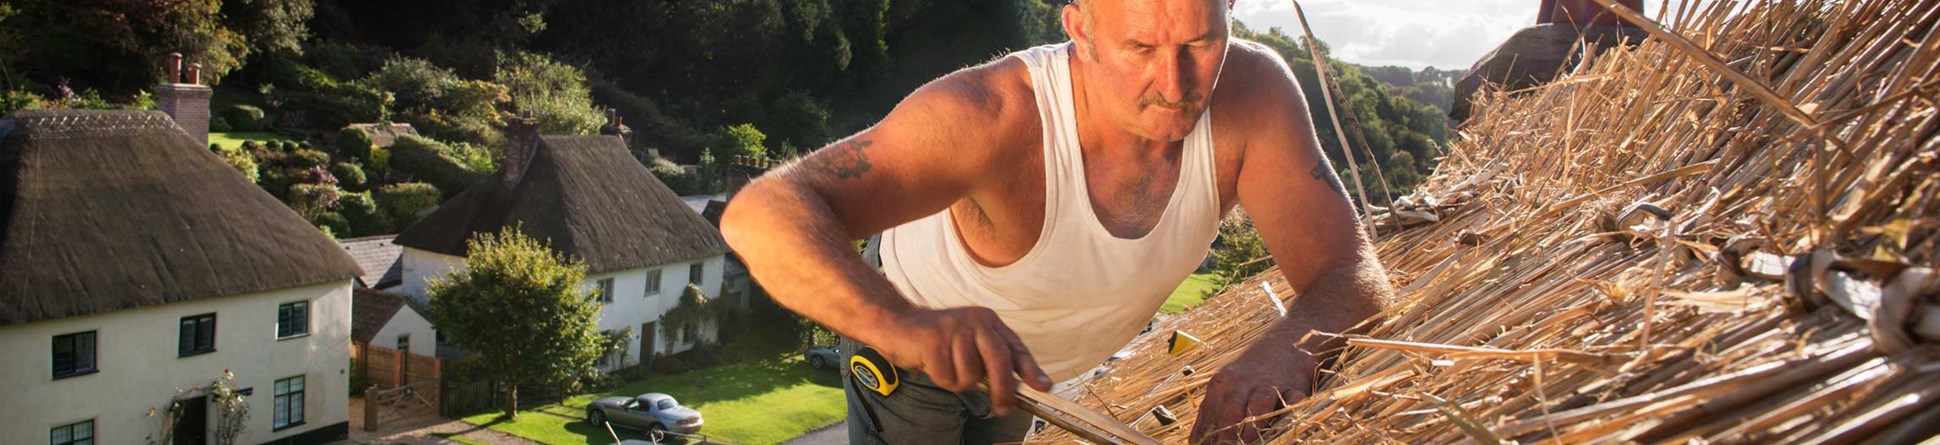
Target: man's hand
x=959 y=347
x=1269 y=376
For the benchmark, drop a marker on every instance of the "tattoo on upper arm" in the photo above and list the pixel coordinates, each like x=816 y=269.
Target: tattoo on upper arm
x=1325 y=173
x=845 y=160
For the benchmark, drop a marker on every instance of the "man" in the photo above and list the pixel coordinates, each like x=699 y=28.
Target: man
x=1037 y=209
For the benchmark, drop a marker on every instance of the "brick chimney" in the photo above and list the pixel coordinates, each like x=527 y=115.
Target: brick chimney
x=185 y=99
x=614 y=127
x=521 y=140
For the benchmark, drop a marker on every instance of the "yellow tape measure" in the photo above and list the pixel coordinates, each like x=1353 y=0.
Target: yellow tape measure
x=873 y=372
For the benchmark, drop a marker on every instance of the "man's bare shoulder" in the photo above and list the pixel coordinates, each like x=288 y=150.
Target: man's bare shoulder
x=991 y=104
x=1256 y=82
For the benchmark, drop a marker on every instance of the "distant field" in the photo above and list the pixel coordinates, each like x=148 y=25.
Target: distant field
x=1189 y=294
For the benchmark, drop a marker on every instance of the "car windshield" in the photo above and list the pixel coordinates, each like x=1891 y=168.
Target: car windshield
x=667 y=404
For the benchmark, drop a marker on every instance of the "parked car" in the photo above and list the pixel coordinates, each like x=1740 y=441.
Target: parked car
x=823 y=357
x=650 y=412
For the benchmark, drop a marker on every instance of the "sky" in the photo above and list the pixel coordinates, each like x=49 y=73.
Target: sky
x=1412 y=33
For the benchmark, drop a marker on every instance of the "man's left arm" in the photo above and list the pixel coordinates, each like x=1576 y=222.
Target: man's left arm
x=1302 y=213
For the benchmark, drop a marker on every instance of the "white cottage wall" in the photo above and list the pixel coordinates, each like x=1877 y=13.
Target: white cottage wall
x=138 y=366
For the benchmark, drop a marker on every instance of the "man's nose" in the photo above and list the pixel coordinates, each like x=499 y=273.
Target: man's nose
x=1173 y=77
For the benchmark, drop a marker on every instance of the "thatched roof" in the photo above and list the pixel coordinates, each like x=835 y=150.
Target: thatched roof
x=586 y=197
x=106 y=210
x=1608 y=255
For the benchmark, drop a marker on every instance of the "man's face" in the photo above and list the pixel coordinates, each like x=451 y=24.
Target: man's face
x=1152 y=62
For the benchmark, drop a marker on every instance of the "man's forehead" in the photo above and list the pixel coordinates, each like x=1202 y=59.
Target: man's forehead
x=1144 y=16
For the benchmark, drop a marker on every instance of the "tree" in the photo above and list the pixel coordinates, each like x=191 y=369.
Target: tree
x=521 y=310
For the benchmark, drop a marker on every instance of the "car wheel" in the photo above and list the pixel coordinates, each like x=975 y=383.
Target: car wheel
x=657 y=432
x=816 y=361
x=596 y=417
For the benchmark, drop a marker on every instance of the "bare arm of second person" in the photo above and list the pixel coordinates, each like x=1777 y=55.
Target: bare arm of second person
x=795 y=229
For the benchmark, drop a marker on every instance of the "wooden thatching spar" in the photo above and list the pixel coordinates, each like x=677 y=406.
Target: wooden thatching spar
x=1078 y=419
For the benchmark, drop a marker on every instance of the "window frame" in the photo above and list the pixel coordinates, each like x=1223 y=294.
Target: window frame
x=194 y=346
x=281 y=402
x=303 y=324
x=653 y=284
x=605 y=288
x=695 y=271
x=71 y=440
x=93 y=355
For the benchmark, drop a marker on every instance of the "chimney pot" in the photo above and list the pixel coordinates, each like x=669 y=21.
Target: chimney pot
x=185 y=101
x=174 y=68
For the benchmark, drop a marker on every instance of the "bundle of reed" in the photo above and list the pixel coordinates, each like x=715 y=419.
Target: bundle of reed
x=1725 y=234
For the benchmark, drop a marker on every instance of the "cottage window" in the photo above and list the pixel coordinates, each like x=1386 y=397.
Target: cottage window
x=73 y=354
x=605 y=286
x=653 y=283
x=289 y=403
x=694 y=272
x=292 y=319
x=198 y=335
x=81 y=433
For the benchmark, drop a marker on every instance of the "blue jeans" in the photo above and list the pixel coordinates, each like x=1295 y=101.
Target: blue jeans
x=919 y=412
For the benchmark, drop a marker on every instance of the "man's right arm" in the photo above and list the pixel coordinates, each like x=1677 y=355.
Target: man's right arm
x=795 y=227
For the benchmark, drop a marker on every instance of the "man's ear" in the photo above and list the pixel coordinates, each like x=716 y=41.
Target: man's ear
x=1075 y=26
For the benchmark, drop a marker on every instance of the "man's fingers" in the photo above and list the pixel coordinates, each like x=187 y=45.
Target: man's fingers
x=969 y=365
x=997 y=366
x=1212 y=411
x=1259 y=403
x=1025 y=363
x=941 y=367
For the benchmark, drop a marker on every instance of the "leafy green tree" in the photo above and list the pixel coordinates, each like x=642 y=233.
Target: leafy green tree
x=270 y=25
x=521 y=309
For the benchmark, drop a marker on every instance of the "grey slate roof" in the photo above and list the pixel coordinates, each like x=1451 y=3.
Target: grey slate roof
x=586 y=197
x=380 y=260
x=108 y=210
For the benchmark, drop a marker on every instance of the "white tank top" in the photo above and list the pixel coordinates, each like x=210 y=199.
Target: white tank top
x=1081 y=293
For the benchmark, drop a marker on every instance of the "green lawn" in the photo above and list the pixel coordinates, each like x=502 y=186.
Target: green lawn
x=754 y=403
x=458 y=438
x=1189 y=294
x=233 y=140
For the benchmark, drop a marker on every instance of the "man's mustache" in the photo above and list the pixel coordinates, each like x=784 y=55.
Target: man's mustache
x=1156 y=99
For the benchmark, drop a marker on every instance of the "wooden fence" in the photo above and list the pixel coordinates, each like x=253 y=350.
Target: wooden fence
x=388 y=368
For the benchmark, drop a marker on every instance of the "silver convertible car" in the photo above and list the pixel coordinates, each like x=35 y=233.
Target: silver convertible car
x=651 y=412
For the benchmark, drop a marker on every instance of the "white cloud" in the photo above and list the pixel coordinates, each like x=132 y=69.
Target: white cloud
x=1412 y=33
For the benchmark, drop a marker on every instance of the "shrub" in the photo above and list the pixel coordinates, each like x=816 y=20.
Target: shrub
x=16 y=100
x=450 y=168
x=439 y=103
x=311 y=200
x=402 y=204
x=251 y=146
x=552 y=91
x=681 y=180
x=244 y=118
x=301 y=158
x=349 y=174
x=354 y=143
x=325 y=101
x=219 y=125
x=334 y=224
x=242 y=163
x=360 y=213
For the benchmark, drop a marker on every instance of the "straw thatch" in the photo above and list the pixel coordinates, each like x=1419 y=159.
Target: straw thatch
x=1725 y=234
x=110 y=210
x=586 y=197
